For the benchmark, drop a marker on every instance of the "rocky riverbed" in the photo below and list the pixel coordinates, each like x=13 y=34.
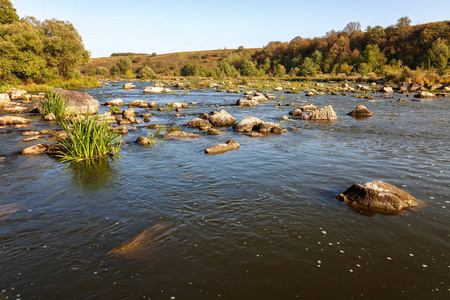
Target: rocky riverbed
x=258 y=221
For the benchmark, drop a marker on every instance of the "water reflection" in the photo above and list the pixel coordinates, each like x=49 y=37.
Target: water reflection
x=93 y=174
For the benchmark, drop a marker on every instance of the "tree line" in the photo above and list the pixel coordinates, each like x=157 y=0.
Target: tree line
x=35 y=51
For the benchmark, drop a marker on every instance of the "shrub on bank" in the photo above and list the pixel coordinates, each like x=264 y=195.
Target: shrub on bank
x=147 y=73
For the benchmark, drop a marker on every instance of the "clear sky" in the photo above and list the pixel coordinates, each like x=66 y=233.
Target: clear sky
x=166 y=26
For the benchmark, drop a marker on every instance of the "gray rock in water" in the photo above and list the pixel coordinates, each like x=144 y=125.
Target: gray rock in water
x=143 y=140
x=425 y=95
x=377 y=196
x=222 y=148
x=360 y=111
x=322 y=114
x=78 y=103
x=222 y=118
x=12 y=120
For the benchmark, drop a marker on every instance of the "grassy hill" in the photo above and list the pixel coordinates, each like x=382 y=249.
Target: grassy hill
x=166 y=64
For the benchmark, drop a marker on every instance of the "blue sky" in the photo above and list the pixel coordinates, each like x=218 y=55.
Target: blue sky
x=166 y=26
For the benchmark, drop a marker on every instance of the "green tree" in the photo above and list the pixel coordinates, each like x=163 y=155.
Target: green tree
x=124 y=65
x=64 y=47
x=281 y=70
x=317 y=57
x=115 y=70
x=147 y=72
x=225 y=68
x=8 y=13
x=21 y=52
x=190 y=70
x=372 y=56
x=247 y=68
x=308 y=67
x=266 y=65
x=439 y=54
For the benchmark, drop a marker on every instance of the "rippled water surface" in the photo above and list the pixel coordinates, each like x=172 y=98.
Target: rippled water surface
x=261 y=222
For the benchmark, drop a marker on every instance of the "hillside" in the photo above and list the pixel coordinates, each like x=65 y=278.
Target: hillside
x=166 y=64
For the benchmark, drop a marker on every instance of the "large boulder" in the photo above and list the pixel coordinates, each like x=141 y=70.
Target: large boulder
x=222 y=148
x=12 y=120
x=222 y=118
x=247 y=124
x=378 y=196
x=78 y=103
x=425 y=95
x=322 y=114
x=360 y=111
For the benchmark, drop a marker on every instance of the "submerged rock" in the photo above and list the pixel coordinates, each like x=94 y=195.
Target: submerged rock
x=379 y=196
x=222 y=148
x=140 y=245
x=360 y=111
x=8 y=209
x=12 y=120
x=78 y=103
x=322 y=114
x=222 y=118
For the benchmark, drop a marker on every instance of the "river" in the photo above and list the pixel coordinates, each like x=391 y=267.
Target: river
x=261 y=222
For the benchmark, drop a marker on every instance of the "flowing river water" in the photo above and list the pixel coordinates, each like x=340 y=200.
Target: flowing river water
x=261 y=222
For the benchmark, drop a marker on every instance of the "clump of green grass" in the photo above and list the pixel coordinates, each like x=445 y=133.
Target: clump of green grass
x=88 y=138
x=114 y=109
x=54 y=103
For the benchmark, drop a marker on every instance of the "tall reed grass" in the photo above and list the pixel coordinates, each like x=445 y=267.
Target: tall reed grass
x=87 y=138
x=54 y=103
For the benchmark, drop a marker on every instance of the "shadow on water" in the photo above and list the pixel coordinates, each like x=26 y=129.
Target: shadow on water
x=92 y=174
